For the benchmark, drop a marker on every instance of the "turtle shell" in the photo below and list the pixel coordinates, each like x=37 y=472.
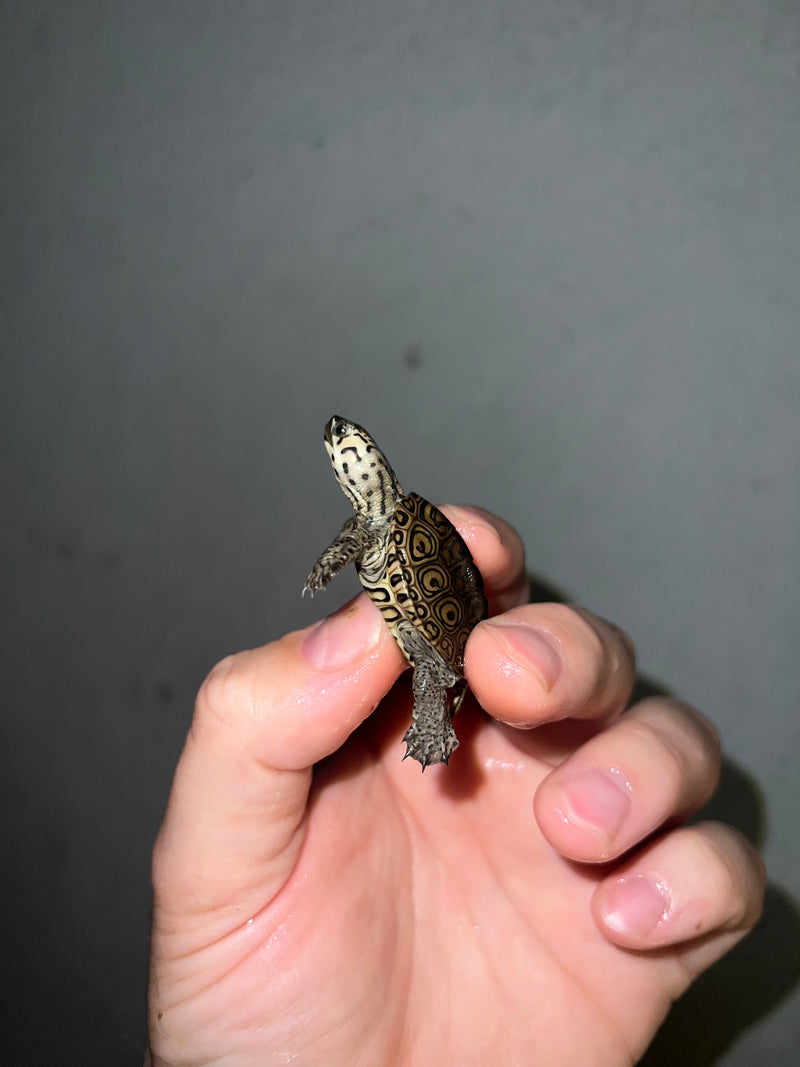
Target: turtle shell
x=432 y=578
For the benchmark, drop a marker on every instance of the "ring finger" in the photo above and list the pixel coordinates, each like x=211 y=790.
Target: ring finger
x=659 y=762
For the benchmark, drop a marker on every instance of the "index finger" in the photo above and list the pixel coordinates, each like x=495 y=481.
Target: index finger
x=541 y=663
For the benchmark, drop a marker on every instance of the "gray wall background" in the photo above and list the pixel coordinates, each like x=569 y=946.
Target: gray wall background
x=548 y=252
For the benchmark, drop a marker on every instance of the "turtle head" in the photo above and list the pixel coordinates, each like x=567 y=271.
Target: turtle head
x=361 y=469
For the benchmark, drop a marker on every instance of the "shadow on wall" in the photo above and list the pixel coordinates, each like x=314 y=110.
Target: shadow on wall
x=736 y=993
x=748 y=983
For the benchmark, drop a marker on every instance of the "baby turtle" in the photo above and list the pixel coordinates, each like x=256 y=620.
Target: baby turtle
x=420 y=574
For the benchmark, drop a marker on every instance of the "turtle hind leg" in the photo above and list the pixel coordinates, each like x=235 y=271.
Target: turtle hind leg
x=430 y=737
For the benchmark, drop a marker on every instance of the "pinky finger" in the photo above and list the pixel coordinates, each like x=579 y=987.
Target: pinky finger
x=701 y=886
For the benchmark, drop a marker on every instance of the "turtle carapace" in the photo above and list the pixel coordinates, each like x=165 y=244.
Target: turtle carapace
x=419 y=572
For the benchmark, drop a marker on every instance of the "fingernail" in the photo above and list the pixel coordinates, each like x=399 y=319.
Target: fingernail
x=634 y=906
x=595 y=800
x=533 y=649
x=343 y=637
x=471 y=522
x=470 y=516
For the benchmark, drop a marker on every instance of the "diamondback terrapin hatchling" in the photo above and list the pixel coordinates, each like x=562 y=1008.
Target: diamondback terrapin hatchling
x=418 y=571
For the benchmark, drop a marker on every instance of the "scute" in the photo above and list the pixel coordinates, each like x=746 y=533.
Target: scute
x=432 y=578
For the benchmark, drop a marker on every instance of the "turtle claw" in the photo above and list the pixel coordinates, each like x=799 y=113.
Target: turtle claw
x=431 y=744
x=316 y=582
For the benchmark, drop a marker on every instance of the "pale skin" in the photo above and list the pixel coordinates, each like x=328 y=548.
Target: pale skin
x=537 y=901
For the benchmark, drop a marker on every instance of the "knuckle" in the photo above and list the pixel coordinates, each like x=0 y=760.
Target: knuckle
x=660 y=750
x=225 y=693
x=686 y=738
x=741 y=873
x=576 y=627
x=613 y=650
x=627 y=647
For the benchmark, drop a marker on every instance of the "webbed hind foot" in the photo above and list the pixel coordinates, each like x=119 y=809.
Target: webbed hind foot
x=430 y=742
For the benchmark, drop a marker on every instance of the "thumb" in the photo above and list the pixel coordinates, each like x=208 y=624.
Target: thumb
x=235 y=818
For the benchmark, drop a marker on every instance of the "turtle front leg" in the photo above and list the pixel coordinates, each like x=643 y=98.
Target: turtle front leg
x=431 y=737
x=347 y=547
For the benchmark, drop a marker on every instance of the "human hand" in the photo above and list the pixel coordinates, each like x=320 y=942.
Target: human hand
x=317 y=900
